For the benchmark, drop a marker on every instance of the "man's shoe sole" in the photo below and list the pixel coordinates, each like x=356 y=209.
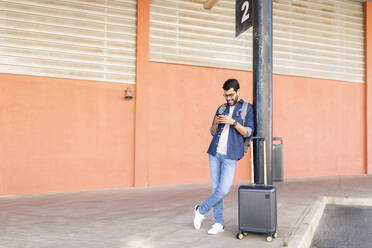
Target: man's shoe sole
x=216 y=233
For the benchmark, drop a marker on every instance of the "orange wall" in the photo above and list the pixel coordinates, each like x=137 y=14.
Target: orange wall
x=181 y=105
x=174 y=108
x=322 y=125
x=62 y=134
x=368 y=54
x=322 y=122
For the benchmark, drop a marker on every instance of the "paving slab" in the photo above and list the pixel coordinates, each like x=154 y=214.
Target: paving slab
x=162 y=216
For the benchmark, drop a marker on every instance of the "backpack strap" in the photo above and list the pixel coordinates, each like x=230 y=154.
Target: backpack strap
x=243 y=114
x=243 y=111
x=221 y=109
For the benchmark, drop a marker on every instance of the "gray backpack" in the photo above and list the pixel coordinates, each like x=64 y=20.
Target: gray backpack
x=243 y=114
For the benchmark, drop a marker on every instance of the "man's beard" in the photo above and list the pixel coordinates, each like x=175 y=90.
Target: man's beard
x=232 y=102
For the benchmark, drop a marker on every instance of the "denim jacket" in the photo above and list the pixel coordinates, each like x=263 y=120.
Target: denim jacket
x=235 y=142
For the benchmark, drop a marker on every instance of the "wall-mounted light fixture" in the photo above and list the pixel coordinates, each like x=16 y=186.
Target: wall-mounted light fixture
x=128 y=94
x=208 y=4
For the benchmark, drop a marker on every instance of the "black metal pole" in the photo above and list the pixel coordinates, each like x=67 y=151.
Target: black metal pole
x=262 y=87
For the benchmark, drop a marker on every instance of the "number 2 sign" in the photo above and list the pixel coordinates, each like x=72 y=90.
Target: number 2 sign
x=243 y=16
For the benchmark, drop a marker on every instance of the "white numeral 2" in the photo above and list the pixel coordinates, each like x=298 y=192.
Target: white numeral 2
x=245 y=7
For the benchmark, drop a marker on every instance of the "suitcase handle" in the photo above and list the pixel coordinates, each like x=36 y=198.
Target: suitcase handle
x=264 y=151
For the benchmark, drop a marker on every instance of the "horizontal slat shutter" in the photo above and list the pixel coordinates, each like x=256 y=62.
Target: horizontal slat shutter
x=320 y=39
x=80 y=39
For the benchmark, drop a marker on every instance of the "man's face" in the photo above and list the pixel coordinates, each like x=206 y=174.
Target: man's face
x=231 y=96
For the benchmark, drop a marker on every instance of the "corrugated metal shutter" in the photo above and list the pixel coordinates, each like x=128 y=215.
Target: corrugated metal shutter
x=319 y=38
x=80 y=39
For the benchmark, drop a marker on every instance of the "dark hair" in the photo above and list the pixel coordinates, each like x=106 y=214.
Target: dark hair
x=231 y=83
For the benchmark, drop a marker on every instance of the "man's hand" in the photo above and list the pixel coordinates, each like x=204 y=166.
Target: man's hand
x=224 y=119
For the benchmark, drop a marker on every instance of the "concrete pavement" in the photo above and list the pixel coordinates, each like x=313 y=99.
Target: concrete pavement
x=162 y=216
x=344 y=227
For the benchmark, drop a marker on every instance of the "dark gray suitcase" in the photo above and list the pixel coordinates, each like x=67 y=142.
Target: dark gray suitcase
x=257 y=211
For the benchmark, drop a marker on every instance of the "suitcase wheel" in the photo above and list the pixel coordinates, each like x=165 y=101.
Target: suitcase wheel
x=240 y=236
x=270 y=237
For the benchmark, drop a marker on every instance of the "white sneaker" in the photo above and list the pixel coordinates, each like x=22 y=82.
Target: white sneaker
x=198 y=218
x=216 y=228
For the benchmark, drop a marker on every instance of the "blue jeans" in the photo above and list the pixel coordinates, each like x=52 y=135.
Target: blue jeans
x=222 y=172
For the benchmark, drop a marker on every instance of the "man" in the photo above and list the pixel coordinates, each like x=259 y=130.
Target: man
x=227 y=147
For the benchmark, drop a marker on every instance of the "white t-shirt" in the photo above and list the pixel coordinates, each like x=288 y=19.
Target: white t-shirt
x=222 y=144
